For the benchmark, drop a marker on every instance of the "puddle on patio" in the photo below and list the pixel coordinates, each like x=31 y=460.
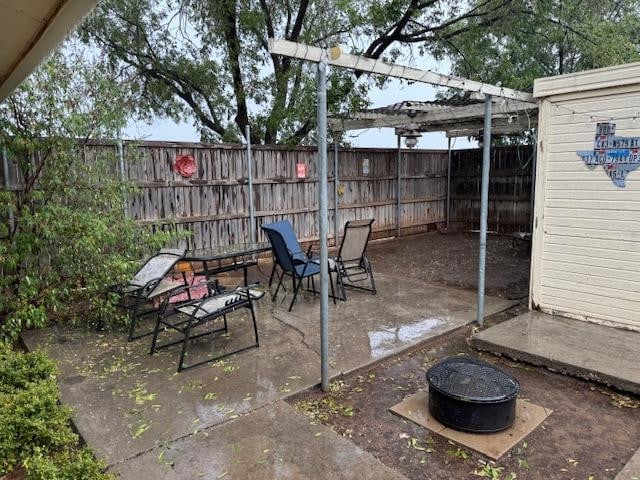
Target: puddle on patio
x=387 y=340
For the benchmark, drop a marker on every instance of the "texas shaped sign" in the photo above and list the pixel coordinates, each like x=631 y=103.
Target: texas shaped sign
x=618 y=155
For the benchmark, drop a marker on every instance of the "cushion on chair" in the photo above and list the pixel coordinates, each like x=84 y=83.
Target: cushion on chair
x=211 y=305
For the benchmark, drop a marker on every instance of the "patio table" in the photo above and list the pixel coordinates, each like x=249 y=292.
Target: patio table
x=242 y=256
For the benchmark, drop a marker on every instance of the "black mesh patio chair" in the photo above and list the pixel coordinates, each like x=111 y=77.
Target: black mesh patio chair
x=287 y=261
x=351 y=265
x=285 y=229
x=148 y=285
x=185 y=318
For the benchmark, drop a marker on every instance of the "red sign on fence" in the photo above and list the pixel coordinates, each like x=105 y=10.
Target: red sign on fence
x=301 y=170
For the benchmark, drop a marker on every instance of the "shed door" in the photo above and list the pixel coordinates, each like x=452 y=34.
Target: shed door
x=590 y=226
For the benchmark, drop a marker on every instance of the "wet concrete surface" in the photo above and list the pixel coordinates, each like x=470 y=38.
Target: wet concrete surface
x=452 y=259
x=405 y=311
x=631 y=470
x=587 y=350
x=274 y=442
x=127 y=402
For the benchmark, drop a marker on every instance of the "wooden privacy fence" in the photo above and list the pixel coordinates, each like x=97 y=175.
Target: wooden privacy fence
x=213 y=204
x=509 y=189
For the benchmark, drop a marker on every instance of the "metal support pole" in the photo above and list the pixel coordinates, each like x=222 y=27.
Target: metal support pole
x=335 y=193
x=252 y=220
x=484 y=205
x=448 y=182
x=398 y=207
x=120 y=147
x=324 y=224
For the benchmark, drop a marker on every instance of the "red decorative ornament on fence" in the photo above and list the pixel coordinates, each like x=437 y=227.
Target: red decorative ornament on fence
x=185 y=165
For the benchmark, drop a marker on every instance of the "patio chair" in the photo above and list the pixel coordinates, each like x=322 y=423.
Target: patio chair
x=290 y=263
x=285 y=229
x=148 y=284
x=199 y=312
x=351 y=264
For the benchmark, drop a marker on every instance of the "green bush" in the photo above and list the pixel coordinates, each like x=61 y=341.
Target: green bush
x=35 y=430
x=66 y=465
x=31 y=419
x=64 y=236
x=18 y=371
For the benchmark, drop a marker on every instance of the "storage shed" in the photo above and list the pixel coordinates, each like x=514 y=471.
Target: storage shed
x=586 y=232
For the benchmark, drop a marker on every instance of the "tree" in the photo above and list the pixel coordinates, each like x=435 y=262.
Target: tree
x=64 y=236
x=545 y=38
x=208 y=59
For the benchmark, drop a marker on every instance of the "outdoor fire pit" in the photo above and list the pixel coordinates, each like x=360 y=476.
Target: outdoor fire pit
x=471 y=395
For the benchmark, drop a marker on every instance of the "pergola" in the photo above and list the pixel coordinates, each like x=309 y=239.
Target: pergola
x=467 y=116
x=457 y=116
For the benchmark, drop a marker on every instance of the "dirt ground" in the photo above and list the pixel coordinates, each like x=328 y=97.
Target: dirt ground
x=591 y=434
x=452 y=259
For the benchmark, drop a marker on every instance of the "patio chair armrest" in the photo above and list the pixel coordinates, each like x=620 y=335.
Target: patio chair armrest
x=251 y=291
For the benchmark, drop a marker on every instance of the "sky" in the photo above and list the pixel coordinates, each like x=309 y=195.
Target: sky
x=394 y=91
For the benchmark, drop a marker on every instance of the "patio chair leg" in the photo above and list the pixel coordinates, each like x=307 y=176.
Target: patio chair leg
x=156 y=331
x=255 y=325
x=370 y=270
x=333 y=292
x=341 y=282
x=273 y=272
x=224 y=317
x=133 y=314
x=183 y=352
x=273 y=298
x=296 y=287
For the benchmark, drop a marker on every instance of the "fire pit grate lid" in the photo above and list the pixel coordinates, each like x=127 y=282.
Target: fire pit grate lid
x=472 y=380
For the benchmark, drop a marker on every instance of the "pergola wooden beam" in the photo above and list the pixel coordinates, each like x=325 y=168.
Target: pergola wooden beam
x=474 y=132
x=450 y=115
x=369 y=65
x=499 y=126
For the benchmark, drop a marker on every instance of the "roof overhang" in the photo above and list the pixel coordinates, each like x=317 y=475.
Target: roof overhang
x=30 y=31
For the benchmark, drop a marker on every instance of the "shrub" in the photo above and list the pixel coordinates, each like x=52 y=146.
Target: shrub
x=64 y=235
x=66 y=465
x=18 y=371
x=31 y=419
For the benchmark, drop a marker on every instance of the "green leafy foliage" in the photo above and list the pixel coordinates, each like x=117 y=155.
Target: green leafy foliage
x=543 y=38
x=35 y=430
x=31 y=419
x=66 y=465
x=18 y=372
x=64 y=236
x=209 y=61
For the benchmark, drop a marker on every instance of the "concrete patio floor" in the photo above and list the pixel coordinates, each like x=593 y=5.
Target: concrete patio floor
x=273 y=442
x=587 y=350
x=131 y=406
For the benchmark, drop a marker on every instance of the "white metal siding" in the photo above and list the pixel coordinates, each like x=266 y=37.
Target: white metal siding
x=588 y=230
